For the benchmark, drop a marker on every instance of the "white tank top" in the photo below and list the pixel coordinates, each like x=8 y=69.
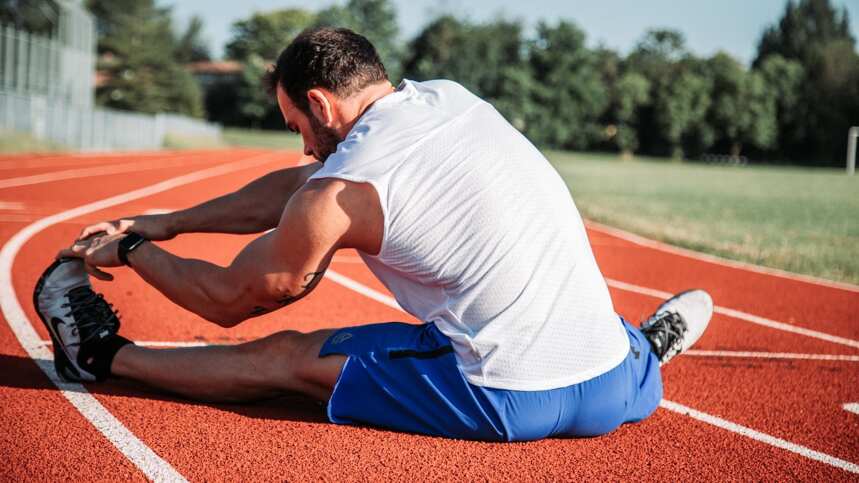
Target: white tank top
x=482 y=238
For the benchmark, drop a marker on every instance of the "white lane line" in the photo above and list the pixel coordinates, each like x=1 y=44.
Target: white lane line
x=647 y=242
x=773 y=355
x=773 y=324
x=707 y=418
x=78 y=159
x=762 y=437
x=362 y=289
x=152 y=465
x=12 y=205
x=852 y=407
x=93 y=171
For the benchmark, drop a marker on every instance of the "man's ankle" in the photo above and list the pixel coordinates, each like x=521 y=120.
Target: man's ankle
x=98 y=358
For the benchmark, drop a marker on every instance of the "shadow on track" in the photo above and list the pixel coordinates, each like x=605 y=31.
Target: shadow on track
x=24 y=373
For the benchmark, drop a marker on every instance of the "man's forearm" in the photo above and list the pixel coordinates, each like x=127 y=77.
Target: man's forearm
x=252 y=209
x=195 y=285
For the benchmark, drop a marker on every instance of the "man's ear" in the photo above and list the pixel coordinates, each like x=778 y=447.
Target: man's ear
x=321 y=105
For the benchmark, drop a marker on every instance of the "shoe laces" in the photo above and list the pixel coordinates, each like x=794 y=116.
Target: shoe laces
x=91 y=314
x=665 y=331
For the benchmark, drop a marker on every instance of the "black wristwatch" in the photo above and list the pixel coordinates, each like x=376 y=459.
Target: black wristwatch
x=128 y=245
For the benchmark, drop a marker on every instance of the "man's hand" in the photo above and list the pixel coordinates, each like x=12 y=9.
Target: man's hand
x=96 y=251
x=151 y=227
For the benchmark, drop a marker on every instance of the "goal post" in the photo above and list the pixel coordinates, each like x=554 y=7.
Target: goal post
x=852 y=134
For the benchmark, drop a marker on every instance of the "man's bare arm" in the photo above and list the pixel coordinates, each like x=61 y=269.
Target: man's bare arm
x=278 y=268
x=254 y=208
x=274 y=270
x=249 y=287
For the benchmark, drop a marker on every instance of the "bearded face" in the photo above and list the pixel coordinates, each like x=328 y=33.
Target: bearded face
x=326 y=139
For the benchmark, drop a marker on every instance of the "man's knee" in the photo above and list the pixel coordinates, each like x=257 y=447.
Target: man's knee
x=290 y=360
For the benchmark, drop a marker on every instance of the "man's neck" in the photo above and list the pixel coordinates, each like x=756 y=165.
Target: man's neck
x=354 y=107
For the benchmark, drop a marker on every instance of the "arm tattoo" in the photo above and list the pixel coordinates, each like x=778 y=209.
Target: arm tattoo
x=314 y=277
x=311 y=280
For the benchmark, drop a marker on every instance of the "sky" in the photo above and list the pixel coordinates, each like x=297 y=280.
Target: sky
x=733 y=26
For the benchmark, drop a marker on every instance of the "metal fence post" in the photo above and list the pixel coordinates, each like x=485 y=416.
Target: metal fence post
x=852 y=134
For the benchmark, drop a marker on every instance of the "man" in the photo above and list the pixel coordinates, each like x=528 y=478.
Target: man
x=452 y=209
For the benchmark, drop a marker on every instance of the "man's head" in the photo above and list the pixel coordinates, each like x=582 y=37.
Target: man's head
x=323 y=81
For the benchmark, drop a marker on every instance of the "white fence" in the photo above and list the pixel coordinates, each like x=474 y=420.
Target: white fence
x=46 y=90
x=94 y=129
x=61 y=66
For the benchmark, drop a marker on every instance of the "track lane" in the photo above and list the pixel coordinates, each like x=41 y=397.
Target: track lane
x=73 y=392
x=161 y=317
x=396 y=455
x=804 y=304
x=42 y=437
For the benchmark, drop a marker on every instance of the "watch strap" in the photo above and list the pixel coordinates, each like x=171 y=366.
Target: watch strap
x=128 y=245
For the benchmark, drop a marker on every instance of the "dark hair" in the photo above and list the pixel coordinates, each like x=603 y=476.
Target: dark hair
x=336 y=59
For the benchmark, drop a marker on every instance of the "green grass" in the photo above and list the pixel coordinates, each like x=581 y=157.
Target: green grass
x=801 y=220
x=236 y=137
x=262 y=139
x=178 y=141
x=15 y=142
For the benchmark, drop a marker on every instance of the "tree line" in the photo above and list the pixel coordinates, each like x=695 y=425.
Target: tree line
x=793 y=104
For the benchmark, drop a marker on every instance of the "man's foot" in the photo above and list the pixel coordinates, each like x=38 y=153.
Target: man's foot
x=82 y=324
x=678 y=323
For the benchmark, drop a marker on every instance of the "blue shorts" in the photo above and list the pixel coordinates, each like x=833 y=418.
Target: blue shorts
x=405 y=377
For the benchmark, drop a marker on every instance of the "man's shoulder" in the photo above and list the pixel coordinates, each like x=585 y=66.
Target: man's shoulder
x=353 y=205
x=348 y=195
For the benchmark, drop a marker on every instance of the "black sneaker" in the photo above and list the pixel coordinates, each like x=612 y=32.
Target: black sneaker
x=77 y=318
x=678 y=323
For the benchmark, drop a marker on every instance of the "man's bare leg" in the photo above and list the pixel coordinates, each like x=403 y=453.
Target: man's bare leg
x=283 y=362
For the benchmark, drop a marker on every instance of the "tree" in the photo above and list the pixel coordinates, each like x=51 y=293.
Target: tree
x=256 y=42
x=742 y=110
x=675 y=116
x=666 y=44
x=802 y=30
x=435 y=52
x=833 y=78
x=266 y=34
x=628 y=94
x=681 y=103
x=34 y=17
x=783 y=78
x=138 y=44
x=567 y=84
x=374 y=19
x=450 y=49
x=190 y=45
x=256 y=106
x=817 y=36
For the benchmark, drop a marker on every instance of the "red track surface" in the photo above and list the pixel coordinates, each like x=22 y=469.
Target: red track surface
x=42 y=436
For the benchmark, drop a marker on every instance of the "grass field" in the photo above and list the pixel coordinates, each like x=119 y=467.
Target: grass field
x=15 y=142
x=801 y=220
x=262 y=139
x=12 y=142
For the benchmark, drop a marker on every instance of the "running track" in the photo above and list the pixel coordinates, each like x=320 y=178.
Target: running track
x=772 y=391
